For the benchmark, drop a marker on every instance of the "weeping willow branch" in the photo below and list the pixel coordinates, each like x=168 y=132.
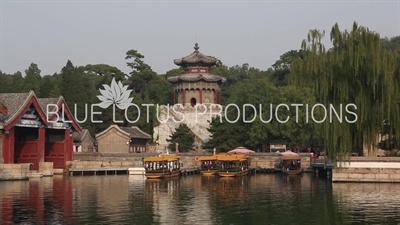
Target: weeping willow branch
x=355 y=70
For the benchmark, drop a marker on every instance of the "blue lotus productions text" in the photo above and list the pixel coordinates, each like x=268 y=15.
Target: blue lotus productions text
x=265 y=114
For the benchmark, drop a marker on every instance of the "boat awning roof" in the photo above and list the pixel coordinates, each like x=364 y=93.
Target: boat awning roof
x=208 y=158
x=233 y=158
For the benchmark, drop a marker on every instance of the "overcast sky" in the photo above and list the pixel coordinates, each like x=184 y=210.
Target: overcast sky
x=49 y=33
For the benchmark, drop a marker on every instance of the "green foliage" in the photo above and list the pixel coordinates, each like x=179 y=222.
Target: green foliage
x=32 y=79
x=356 y=70
x=55 y=93
x=281 y=68
x=361 y=68
x=46 y=86
x=184 y=137
x=262 y=126
x=225 y=136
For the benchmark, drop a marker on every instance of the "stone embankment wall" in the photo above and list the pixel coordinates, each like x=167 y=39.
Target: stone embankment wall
x=364 y=169
x=96 y=160
x=197 y=119
x=14 y=171
x=46 y=169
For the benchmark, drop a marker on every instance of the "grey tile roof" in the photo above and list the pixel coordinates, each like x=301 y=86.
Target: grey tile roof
x=192 y=77
x=133 y=132
x=79 y=137
x=136 y=132
x=43 y=102
x=14 y=102
x=197 y=57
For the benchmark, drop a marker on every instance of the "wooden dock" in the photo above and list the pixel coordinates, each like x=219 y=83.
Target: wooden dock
x=190 y=171
x=322 y=166
x=99 y=171
x=255 y=170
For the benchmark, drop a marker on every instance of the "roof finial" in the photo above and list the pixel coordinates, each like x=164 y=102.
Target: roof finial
x=196 y=47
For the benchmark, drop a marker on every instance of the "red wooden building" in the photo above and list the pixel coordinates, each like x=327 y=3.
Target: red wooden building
x=30 y=135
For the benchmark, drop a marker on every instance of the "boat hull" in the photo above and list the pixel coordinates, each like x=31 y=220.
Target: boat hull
x=233 y=173
x=209 y=172
x=160 y=175
x=292 y=172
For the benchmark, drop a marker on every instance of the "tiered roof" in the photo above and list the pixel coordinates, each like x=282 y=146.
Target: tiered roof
x=197 y=59
x=200 y=61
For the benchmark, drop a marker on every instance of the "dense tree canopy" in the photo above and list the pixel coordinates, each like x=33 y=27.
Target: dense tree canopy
x=361 y=68
x=184 y=137
x=358 y=70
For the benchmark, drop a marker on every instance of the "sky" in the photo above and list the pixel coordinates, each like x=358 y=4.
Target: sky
x=49 y=33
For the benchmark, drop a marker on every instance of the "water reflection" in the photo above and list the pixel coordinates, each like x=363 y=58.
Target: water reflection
x=36 y=201
x=364 y=201
x=260 y=199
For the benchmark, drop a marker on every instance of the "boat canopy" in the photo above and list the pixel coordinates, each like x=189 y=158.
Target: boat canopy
x=208 y=158
x=233 y=158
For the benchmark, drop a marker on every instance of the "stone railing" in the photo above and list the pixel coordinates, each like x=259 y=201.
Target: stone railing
x=262 y=160
x=365 y=169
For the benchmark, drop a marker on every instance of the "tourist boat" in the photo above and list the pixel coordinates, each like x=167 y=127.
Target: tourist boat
x=162 y=166
x=233 y=165
x=208 y=165
x=291 y=165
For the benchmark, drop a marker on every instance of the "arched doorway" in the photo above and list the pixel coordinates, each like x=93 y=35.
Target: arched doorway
x=193 y=102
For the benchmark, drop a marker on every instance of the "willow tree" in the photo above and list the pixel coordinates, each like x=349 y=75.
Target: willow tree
x=355 y=70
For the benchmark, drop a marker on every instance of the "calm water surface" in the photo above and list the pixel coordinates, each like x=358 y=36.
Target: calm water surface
x=260 y=199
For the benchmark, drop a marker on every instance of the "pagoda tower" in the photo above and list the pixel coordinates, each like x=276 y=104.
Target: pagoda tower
x=197 y=85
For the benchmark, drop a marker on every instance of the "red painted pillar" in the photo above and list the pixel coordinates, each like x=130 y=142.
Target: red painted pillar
x=201 y=96
x=71 y=144
x=41 y=144
x=68 y=148
x=8 y=146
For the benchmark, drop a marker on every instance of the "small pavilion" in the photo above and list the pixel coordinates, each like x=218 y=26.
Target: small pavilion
x=197 y=84
x=29 y=135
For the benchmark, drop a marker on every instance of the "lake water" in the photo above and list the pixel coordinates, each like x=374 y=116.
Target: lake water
x=260 y=199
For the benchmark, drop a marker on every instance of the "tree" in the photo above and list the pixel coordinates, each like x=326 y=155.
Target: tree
x=141 y=73
x=225 y=136
x=102 y=74
x=78 y=89
x=18 y=81
x=281 y=68
x=391 y=44
x=6 y=83
x=55 y=93
x=46 y=86
x=184 y=137
x=174 y=72
x=355 y=70
x=32 y=79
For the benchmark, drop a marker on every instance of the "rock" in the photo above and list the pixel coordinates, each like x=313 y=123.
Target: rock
x=196 y=120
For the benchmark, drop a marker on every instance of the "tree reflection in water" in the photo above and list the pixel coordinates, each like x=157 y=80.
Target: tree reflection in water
x=260 y=199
